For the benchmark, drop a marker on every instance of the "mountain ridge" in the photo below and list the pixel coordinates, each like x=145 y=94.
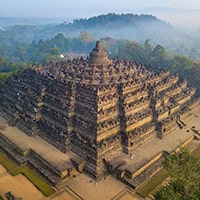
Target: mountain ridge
x=110 y=24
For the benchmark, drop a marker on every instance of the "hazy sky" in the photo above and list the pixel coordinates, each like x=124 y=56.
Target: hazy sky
x=174 y=11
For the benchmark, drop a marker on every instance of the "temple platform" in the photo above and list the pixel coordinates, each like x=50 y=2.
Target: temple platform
x=125 y=167
x=47 y=160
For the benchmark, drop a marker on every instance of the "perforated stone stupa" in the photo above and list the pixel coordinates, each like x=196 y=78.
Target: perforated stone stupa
x=96 y=107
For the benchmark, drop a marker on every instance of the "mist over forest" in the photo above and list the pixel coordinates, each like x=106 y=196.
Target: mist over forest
x=141 y=38
x=23 y=31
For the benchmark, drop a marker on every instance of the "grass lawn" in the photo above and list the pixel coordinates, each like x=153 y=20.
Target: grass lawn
x=152 y=183
x=39 y=182
x=7 y=163
x=14 y=169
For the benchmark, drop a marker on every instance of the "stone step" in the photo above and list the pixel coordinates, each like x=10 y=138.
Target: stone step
x=148 y=172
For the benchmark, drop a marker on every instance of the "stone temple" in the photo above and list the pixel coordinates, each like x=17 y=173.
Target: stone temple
x=98 y=108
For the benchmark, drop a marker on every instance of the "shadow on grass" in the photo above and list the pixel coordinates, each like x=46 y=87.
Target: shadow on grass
x=32 y=176
x=150 y=185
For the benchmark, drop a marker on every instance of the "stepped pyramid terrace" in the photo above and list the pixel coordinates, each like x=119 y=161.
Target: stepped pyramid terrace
x=98 y=110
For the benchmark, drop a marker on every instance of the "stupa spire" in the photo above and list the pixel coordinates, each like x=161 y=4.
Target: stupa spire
x=99 y=56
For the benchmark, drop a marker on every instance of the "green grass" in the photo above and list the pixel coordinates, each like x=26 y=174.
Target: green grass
x=152 y=183
x=1 y=198
x=14 y=170
x=7 y=163
x=39 y=182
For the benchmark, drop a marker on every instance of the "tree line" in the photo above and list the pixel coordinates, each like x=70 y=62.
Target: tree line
x=154 y=56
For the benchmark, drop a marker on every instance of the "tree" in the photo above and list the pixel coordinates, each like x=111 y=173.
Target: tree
x=181 y=63
x=59 y=41
x=21 y=53
x=159 y=53
x=85 y=37
x=148 y=47
x=184 y=169
x=131 y=50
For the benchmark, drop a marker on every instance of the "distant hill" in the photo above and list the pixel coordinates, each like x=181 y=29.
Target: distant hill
x=126 y=26
x=115 y=20
x=117 y=26
x=129 y=26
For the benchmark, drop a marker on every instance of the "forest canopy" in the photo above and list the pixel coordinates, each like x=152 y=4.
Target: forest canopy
x=24 y=45
x=183 y=168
